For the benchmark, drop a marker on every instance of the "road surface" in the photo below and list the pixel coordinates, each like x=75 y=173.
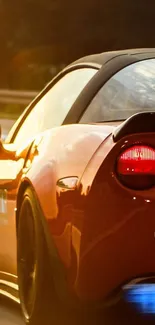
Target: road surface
x=6 y=126
x=10 y=313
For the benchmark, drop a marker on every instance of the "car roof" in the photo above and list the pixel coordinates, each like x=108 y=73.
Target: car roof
x=103 y=58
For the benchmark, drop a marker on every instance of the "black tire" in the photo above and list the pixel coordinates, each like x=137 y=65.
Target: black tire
x=38 y=299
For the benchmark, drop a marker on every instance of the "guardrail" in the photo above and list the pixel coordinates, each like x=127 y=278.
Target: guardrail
x=16 y=97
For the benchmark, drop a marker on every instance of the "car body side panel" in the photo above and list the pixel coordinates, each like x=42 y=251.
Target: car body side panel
x=63 y=152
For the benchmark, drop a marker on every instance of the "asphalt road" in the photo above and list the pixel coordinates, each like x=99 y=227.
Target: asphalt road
x=10 y=313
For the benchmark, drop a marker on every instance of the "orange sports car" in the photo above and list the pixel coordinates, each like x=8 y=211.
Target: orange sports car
x=77 y=188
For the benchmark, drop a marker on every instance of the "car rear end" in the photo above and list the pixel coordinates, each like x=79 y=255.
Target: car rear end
x=118 y=232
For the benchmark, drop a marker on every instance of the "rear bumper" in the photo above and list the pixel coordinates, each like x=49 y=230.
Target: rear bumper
x=125 y=252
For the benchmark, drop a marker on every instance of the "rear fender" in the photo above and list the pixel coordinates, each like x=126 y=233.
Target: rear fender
x=59 y=156
x=112 y=213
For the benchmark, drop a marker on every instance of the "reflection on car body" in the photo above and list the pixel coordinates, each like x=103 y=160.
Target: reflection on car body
x=77 y=188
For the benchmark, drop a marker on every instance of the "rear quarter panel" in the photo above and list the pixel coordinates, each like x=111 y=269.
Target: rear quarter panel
x=99 y=228
x=63 y=152
x=117 y=233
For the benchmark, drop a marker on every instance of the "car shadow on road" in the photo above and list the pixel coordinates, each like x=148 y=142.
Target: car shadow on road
x=123 y=314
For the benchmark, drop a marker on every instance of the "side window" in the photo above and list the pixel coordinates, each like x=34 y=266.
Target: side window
x=52 y=109
x=129 y=91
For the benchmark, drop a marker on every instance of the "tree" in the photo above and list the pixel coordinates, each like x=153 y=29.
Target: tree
x=39 y=32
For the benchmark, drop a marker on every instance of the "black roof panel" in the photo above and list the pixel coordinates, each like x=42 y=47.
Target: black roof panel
x=104 y=57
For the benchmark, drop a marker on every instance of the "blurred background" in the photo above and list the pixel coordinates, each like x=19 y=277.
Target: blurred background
x=38 y=38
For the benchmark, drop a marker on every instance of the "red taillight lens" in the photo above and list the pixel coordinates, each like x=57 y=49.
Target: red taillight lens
x=137 y=160
x=136 y=167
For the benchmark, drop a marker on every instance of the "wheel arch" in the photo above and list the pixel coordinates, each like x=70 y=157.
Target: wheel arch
x=23 y=186
x=58 y=272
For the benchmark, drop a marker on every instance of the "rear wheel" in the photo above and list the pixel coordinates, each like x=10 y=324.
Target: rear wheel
x=38 y=299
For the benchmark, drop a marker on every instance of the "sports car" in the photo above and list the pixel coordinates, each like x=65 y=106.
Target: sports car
x=77 y=188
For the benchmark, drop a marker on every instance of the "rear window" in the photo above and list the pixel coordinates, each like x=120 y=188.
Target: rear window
x=129 y=91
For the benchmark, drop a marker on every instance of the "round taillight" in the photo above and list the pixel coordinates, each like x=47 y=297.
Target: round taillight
x=136 y=167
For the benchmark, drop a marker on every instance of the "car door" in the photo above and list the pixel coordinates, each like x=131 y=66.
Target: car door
x=50 y=111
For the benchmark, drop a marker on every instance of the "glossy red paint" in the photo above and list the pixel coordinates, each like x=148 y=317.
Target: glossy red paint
x=103 y=231
x=72 y=148
x=117 y=237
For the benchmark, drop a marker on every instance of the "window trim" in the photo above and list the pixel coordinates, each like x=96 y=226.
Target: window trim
x=47 y=88
x=106 y=72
